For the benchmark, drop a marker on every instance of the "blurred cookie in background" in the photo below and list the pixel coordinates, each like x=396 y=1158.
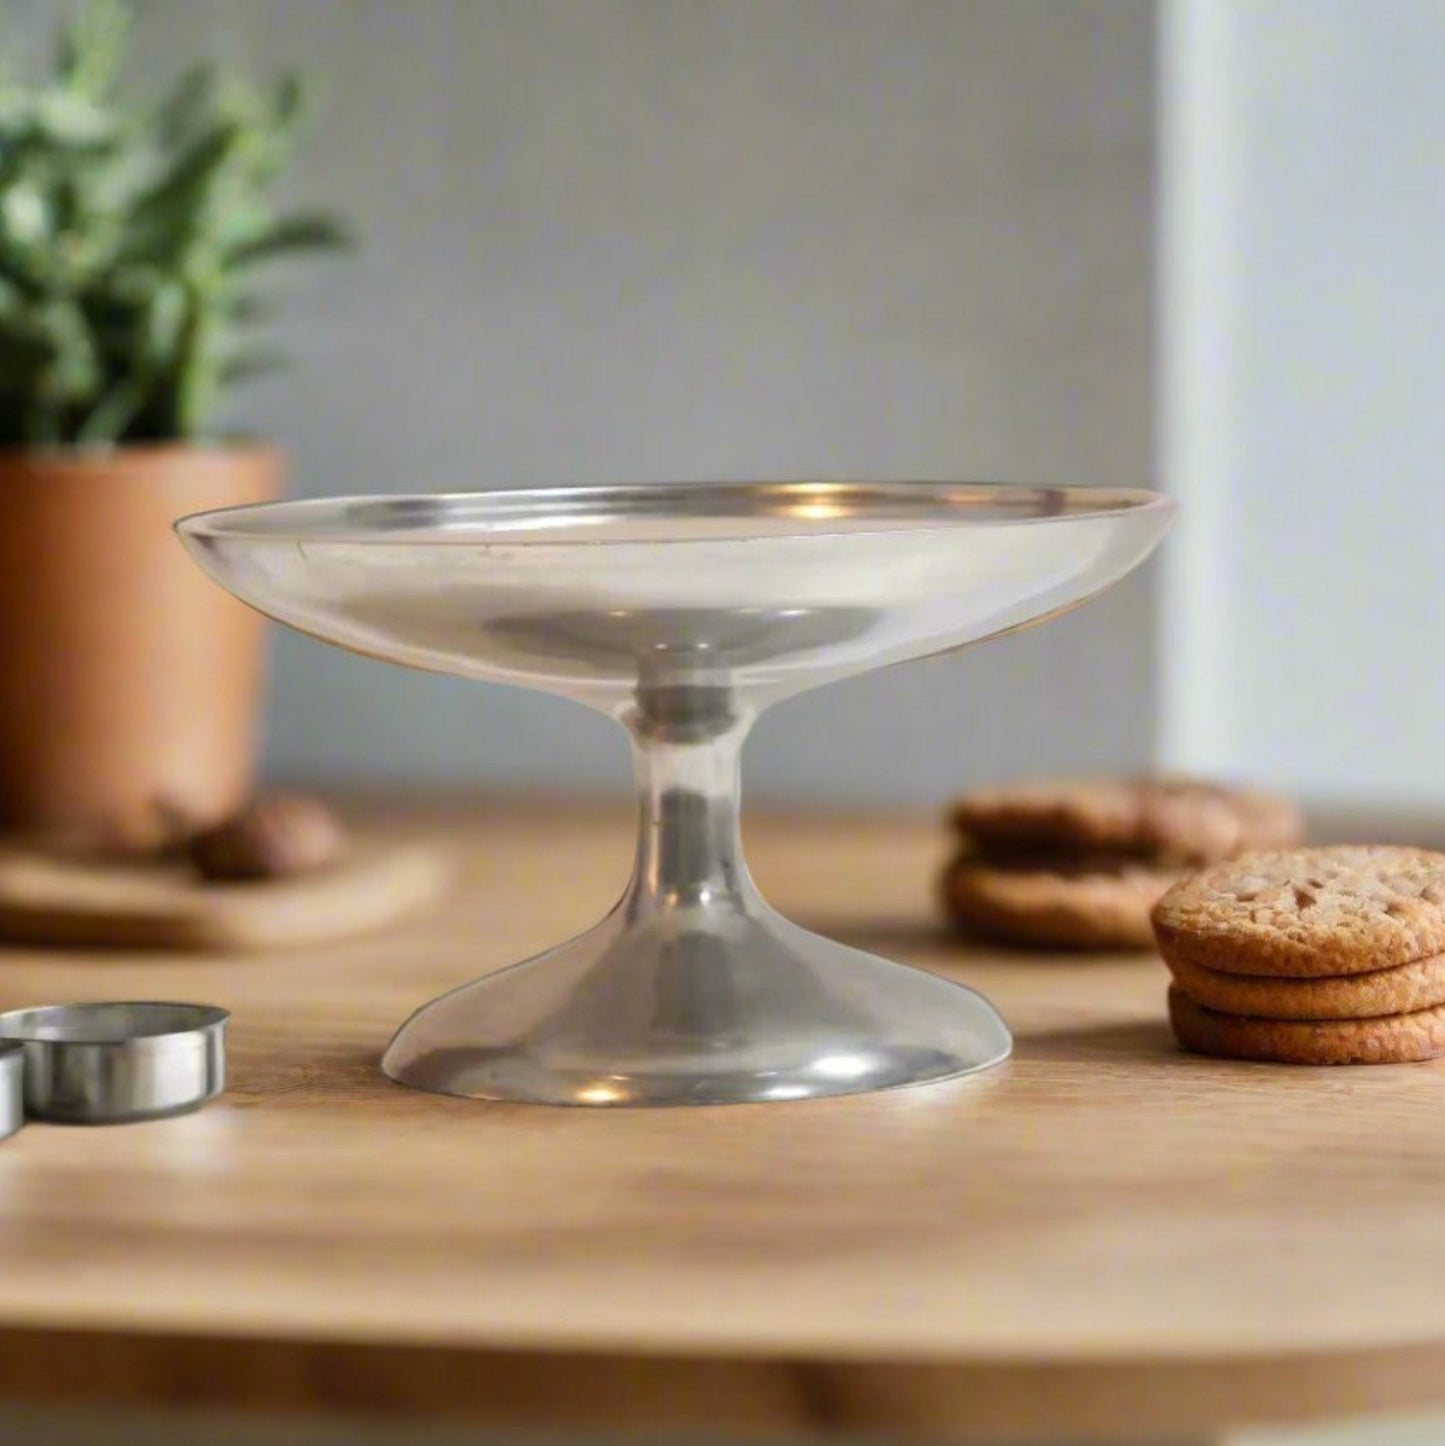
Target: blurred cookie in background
x=1051 y=904
x=1185 y=821
x=1079 y=863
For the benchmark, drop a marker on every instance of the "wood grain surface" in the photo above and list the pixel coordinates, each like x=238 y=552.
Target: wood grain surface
x=1106 y=1235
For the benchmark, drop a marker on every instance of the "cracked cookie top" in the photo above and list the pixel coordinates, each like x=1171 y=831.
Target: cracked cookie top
x=1308 y=913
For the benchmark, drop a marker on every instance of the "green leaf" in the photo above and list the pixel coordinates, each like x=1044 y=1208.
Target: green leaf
x=171 y=218
x=115 y=411
x=300 y=231
x=186 y=106
x=291 y=101
x=164 y=321
x=26 y=213
x=68 y=120
x=73 y=373
x=195 y=379
x=91 y=46
x=186 y=184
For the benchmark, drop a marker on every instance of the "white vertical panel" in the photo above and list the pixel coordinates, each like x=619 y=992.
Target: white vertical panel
x=1305 y=408
x=1197 y=186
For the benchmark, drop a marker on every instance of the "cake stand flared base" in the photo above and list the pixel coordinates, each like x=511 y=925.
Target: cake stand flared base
x=703 y=1004
x=693 y=991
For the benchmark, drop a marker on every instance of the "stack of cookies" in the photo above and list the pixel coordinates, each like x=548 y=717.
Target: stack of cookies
x=1312 y=956
x=1079 y=864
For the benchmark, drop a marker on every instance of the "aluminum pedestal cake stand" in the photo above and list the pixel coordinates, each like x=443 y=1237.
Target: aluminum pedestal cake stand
x=683 y=611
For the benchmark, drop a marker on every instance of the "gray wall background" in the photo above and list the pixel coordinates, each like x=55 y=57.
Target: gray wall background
x=643 y=239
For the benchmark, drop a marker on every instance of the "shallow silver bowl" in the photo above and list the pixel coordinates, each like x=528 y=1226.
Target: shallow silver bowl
x=96 y=1064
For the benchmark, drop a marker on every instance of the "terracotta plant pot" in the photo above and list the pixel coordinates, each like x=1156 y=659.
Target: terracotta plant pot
x=129 y=683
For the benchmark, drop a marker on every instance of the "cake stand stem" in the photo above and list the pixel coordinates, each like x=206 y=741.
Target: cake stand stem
x=687 y=752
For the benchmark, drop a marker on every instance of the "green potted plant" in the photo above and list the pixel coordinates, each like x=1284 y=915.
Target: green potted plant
x=132 y=237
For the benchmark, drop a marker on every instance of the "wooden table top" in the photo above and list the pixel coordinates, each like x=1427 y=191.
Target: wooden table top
x=1105 y=1234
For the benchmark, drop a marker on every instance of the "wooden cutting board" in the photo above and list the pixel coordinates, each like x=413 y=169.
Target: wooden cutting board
x=51 y=899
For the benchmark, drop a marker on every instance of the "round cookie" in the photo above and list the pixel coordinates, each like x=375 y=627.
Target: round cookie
x=1390 y=1039
x=1059 y=907
x=1401 y=990
x=1308 y=913
x=1176 y=819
